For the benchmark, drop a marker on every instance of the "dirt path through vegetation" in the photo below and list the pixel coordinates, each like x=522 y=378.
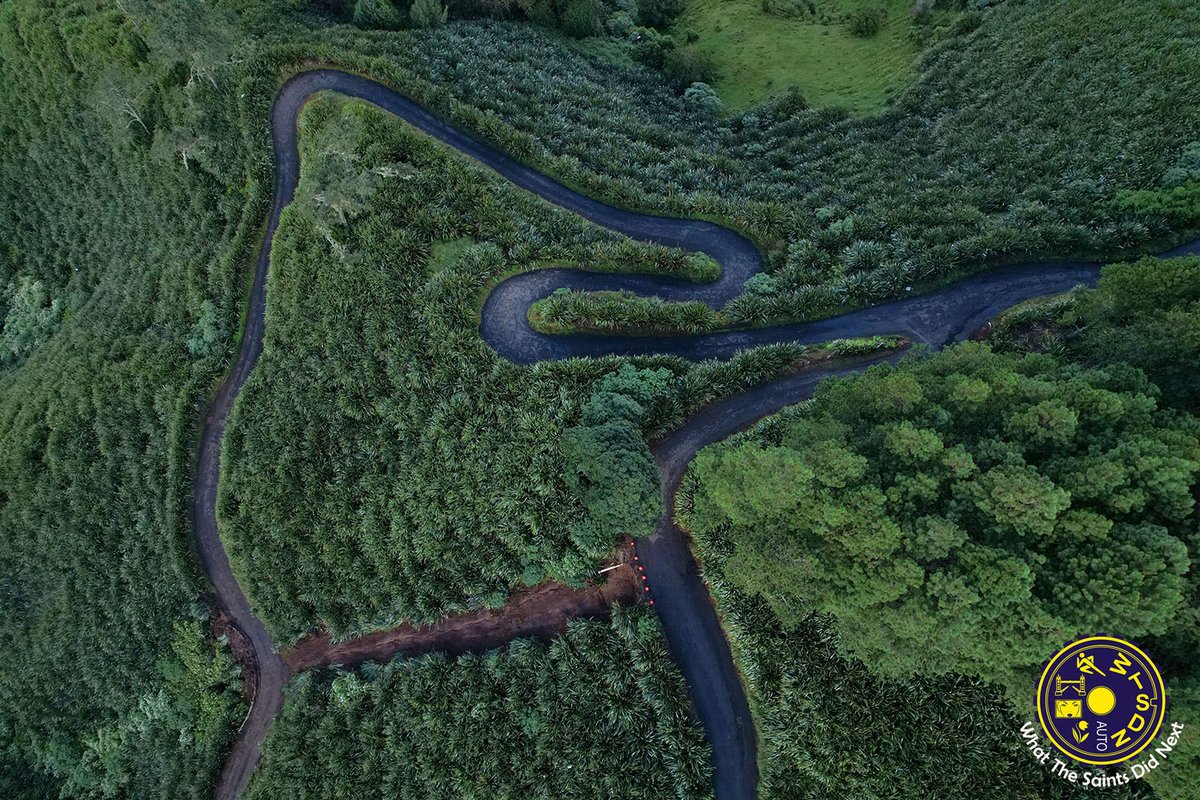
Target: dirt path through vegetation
x=685 y=609
x=541 y=612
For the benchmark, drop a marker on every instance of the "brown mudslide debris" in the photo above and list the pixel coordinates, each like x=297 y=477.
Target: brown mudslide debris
x=541 y=612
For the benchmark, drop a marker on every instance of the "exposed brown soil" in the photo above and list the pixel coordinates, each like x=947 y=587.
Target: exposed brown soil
x=541 y=612
x=243 y=651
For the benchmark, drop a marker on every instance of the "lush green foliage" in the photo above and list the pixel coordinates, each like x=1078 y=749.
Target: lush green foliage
x=763 y=47
x=428 y=13
x=607 y=463
x=799 y=683
x=567 y=311
x=828 y=728
x=852 y=210
x=866 y=21
x=31 y=316
x=384 y=14
x=600 y=712
x=1181 y=777
x=1145 y=313
x=1178 y=206
x=967 y=492
x=685 y=66
x=113 y=248
x=378 y=471
x=135 y=173
x=576 y=18
x=1176 y=199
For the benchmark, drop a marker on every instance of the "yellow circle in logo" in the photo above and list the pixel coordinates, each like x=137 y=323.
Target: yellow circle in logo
x=1101 y=700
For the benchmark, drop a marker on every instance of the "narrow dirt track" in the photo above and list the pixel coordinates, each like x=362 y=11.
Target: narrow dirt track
x=541 y=612
x=685 y=609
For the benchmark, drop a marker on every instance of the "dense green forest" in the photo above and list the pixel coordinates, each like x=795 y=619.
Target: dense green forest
x=384 y=464
x=1038 y=498
x=113 y=684
x=134 y=181
x=829 y=728
x=979 y=161
x=599 y=712
x=961 y=493
x=1144 y=312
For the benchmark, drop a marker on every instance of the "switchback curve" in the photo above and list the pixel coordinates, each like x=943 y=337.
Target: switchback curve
x=685 y=609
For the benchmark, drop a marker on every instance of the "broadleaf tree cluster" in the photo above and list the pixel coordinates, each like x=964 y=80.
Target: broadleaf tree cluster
x=921 y=505
x=607 y=463
x=829 y=727
x=1145 y=313
x=1064 y=509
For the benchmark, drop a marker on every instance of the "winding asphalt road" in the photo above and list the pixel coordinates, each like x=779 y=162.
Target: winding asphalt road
x=685 y=608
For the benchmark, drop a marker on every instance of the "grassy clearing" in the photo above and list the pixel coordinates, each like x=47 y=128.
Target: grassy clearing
x=758 y=53
x=446 y=254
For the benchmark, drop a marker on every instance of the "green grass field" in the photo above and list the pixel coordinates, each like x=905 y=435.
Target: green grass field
x=759 y=54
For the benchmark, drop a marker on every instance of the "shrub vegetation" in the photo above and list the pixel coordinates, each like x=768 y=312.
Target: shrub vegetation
x=120 y=204
x=625 y=313
x=599 y=712
x=850 y=211
x=378 y=472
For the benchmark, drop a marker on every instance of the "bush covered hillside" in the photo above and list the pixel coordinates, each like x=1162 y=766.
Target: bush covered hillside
x=600 y=712
x=979 y=161
x=1036 y=498
x=385 y=465
x=116 y=292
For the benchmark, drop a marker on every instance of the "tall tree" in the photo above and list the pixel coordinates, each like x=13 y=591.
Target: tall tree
x=926 y=504
x=428 y=13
